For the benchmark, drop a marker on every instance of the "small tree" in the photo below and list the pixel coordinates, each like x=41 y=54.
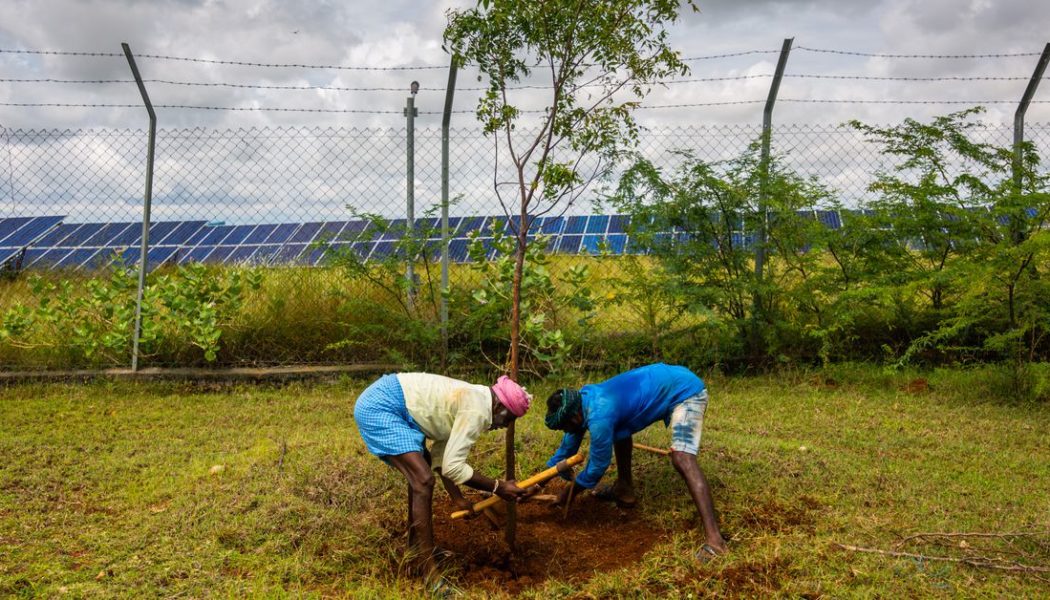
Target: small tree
x=599 y=59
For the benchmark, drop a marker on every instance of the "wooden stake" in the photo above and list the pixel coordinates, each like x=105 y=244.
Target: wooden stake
x=537 y=478
x=661 y=451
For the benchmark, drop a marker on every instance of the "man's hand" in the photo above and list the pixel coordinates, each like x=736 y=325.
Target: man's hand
x=509 y=491
x=530 y=491
x=462 y=503
x=566 y=493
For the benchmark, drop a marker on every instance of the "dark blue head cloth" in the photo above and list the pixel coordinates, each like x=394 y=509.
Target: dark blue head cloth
x=571 y=402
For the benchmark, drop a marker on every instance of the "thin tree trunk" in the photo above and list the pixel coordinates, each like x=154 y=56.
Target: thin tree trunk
x=515 y=359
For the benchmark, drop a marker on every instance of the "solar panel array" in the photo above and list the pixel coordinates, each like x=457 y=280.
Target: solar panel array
x=48 y=243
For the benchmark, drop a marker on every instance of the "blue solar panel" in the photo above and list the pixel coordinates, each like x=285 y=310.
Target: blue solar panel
x=457 y=250
x=241 y=254
x=11 y=225
x=76 y=258
x=105 y=234
x=598 y=224
x=306 y=233
x=289 y=253
x=570 y=244
x=180 y=234
x=238 y=235
x=327 y=233
x=617 y=243
x=830 y=218
x=158 y=230
x=259 y=234
x=198 y=236
x=383 y=249
x=552 y=225
x=395 y=229
x=128 y=237
x=82 y=234
x=217 y=235
x=47 y=259
x=197 y=254
x=468 y=225
x=281 y=233
x=591 y=244
x=619 y=223
x=56 y=235
x=31 y=231
x=575 y=225
x=1031 y=212
x=265 y=254
x=313 y=257
x=364 y=249
x=219 y=254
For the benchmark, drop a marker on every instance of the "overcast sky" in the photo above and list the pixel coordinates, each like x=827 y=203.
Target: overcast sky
x=408 y=33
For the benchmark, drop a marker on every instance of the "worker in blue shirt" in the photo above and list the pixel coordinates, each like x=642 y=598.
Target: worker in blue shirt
x=617 y=408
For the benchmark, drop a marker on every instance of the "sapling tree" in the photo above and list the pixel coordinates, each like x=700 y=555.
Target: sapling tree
x=597 y=61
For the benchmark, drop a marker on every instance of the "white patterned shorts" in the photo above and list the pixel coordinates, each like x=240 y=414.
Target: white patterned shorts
x=687 y=424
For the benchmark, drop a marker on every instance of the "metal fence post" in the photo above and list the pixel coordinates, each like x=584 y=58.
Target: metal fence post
x=1022 y=107
x=446 y=118
x=146 y=204
x=410 y=200
x=9 y=177
x=767 y=134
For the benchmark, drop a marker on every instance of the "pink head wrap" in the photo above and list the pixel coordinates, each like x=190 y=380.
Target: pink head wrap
x=512 y=395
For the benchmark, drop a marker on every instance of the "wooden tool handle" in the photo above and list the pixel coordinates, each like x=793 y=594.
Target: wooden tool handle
x=537 y=478
x=663 y=451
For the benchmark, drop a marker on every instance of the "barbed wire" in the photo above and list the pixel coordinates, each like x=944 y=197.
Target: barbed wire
x=530 y=111
x=935 y=56
x=520 y=87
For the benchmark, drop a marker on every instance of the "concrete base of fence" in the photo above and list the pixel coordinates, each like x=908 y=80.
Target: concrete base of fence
x=233 y=375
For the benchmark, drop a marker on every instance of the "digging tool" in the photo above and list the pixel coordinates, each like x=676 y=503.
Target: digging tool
x=660 y=451
x=537 y=478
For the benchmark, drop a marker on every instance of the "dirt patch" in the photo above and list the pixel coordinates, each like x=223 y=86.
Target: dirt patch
x=596 y=537
x=769 y=515
x=752 y=578
x=916 y=386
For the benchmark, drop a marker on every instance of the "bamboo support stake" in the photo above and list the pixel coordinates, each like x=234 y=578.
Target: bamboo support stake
x=662 y=451
x=538 y=478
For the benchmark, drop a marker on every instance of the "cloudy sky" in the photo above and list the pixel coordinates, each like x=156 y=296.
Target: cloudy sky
x=407 y=33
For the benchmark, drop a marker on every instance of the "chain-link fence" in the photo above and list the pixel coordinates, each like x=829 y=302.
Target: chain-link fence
x=305 y=211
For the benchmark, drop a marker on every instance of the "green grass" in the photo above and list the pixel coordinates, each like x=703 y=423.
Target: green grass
x=106 y=490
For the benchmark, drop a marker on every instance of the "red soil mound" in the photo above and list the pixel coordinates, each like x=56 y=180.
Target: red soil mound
x=596 y=537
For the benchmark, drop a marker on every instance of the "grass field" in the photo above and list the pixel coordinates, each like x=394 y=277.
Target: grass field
x=165 y=490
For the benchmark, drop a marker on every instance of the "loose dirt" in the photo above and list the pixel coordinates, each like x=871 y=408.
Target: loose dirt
x=596 y=537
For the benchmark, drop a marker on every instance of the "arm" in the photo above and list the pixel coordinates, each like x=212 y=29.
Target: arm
x=600 y=454
x=570 y=445
x=455 y=470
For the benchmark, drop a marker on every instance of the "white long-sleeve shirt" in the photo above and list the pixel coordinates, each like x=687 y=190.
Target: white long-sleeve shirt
x=451 y=412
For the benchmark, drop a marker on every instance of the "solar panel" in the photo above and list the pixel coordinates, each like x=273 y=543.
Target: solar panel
x=217 y=235
x=552 y=225
x=289 y=254
x=306 y=233
x=598 y=224
x=180 y=234
x=10 y=225
x=105 y=234
x=281 y=233
x=617 y=243
x=570 y=244
x=239 y=234
x=575 y=225
x=591 y=244
x=20 y=232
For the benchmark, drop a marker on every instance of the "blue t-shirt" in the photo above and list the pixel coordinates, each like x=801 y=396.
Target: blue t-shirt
x=624 y=405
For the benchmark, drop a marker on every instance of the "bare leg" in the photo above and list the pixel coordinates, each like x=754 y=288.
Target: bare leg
x=623 y=489
x=411 y=517
x=420 y=494
x=689 y=469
